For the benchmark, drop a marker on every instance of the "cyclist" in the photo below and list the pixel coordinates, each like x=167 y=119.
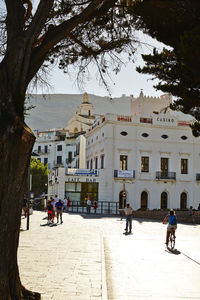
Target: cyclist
x=172 y=226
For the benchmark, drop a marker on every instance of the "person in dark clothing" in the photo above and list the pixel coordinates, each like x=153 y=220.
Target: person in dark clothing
x=25 y=206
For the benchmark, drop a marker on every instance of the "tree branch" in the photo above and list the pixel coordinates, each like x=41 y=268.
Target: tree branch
x=62 y=31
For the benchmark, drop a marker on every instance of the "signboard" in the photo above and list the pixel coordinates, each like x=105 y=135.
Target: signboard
x=124 y=118
x=80 y=179
x=165 y=119
x=92 y=172
x=125 y=174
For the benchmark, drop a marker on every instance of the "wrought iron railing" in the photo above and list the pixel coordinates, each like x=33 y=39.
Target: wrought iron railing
x=166 y=175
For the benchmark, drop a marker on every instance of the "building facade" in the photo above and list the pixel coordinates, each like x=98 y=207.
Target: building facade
x=148 y=158
x=58 y=147
x=152 y=162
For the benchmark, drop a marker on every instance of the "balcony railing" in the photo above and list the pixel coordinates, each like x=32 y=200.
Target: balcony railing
x=198 y=176
x=166 y=175
x=123 y=174
x=69 y=160
x=42 y=151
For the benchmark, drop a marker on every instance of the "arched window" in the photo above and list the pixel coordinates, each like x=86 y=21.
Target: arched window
x=183 y=200
x=163 y=200
x=144 y=200
x=75 y=130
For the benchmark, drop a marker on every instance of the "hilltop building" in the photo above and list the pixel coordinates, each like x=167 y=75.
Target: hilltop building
x=58 y=147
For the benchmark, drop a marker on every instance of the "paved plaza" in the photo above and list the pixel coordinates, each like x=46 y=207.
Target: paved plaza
x=89 y=258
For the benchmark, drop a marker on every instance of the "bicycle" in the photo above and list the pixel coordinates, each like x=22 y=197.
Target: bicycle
x=172 y=239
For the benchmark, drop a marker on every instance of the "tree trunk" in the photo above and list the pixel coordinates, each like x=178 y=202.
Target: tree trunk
x=16 y=143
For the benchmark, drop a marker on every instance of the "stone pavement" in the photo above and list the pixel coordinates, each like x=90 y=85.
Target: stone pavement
x=88 y=257
x=63 y=261
x=140 y=268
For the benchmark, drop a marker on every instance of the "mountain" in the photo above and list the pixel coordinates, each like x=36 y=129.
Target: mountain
x=55 y=110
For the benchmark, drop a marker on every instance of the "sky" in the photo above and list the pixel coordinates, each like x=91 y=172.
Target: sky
x=128 y=81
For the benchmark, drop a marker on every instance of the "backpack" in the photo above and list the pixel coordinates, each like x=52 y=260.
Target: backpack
x=172 y=220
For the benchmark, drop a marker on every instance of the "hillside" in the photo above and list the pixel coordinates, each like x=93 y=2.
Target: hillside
x=54 y=110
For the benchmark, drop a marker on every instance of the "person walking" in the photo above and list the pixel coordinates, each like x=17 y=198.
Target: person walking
x=25 y=205
x=65 y=204
x=128 y=211
x=59 y=209
x=53 y=202
x=88 y=205
x=68 y=203
x=49 y=212
x=95 y=206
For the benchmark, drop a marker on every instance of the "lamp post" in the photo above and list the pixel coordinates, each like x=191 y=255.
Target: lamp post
x=30 y=195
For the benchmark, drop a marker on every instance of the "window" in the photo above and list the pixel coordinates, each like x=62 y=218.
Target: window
x=164 y=136
x=91 y=163
x=45 y=149
x=123 y=162
x=184 y=166
x=69 y=157
x=45 y=161
x=164 y=164
x=144 y=164
x=145 y=134
x=59 y=148
x=39 y=149
x=183 y=201
x=163 y=200
x=39 y=159
x=59 y=160
x=184 y=137
x=124 y=133
x=88 y=164
x=102 y=161
x=144 y=198
x=96 y=162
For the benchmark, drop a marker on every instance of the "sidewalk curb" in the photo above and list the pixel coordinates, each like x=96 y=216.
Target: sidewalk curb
x=103 y=271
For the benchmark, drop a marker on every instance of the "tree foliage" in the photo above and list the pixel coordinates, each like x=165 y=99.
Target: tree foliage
x=67 y=32
x=39 y=173
x=176 y=24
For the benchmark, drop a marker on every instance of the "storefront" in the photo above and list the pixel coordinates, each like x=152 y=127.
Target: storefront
x=78 y=186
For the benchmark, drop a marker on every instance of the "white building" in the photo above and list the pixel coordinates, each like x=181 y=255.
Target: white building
x=148 y=158
x=58 y=147
x=151 y=158
x=55 y=147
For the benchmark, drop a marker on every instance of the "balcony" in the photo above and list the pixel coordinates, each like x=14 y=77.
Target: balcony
x=42 y=151
x=69 y=160
x=124 y=174
x=198 y=177
x=57 y=164
x=166 y=175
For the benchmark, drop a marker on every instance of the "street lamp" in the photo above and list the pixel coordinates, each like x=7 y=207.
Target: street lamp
x=30 y=195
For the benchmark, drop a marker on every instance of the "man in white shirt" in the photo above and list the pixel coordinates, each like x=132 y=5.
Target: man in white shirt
x=128 y=213
x=65 y=204
x=88 y=205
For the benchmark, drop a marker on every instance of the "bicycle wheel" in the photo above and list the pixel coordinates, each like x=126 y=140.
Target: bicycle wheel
x=171 y=241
